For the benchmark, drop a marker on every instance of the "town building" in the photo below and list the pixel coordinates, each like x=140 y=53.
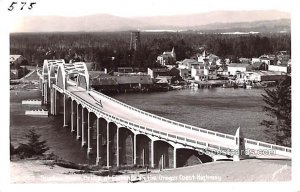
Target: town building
x=167 y=58
x=204 y=72
x=279 y=68
x=245 y=60
x=17 y=60
x=153 y=73
x=17 y=68
x=105 y=82
x=267 y=59
x=187 y=64
x=255 y=60
x=208 y=58
x=125 y=70
x=259 y=76
x=184 y=73
x=259 y=66
x=233 y=68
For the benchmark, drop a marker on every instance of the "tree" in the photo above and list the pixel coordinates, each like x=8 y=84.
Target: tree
x=33 y=147
x=278 y=107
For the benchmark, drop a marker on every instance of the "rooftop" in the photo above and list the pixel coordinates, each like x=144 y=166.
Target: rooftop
x=238 y=65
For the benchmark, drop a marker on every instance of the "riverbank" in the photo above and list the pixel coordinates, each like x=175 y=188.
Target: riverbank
x=251 y=170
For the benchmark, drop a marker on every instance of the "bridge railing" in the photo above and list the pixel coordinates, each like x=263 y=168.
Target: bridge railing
x=280 y=150
x=183 y=125
x=253 y=144
x=160 y=134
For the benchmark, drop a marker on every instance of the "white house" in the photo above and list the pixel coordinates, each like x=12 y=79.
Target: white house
x=167 y=58
x=255 y=60
x=233 y=68
x=258 y=76
x=187 y=64
x=279 y=68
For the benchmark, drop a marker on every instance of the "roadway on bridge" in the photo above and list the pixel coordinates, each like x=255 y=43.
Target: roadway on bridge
x=120 y=111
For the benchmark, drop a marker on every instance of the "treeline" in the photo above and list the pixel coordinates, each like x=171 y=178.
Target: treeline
x=111 y=50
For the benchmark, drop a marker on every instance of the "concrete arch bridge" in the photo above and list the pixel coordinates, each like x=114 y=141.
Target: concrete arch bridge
x=120 y=134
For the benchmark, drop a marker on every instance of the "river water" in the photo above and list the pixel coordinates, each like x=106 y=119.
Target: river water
x=217 y=109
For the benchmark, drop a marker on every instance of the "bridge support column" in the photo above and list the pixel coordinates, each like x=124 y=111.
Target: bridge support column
x=174 y=157
x=107 y=146
x=52 y=101
x=89 y=147
x=152 y=153
x=83 y=136
x=45 y=93
x=42 y=88
x=98 y=155
x=55 y=102
x=41 y=84
x=134 y=149
x=66 y=111
x=78 y=133
x=73 y=120
x=118 y=147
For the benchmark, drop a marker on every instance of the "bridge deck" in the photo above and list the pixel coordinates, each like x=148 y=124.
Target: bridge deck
x=146 y=121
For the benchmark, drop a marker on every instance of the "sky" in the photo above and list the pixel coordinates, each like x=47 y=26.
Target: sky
x=132 y=8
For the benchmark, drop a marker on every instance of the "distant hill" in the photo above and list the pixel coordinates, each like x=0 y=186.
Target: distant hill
x=221 y=20
x=273 y=26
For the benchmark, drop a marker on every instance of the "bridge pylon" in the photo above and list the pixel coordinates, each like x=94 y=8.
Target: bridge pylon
x=239 y=147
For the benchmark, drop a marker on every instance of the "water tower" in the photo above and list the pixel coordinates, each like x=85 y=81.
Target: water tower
x=135 y=41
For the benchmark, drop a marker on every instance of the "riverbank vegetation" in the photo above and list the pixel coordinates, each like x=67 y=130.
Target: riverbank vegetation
x=111 y=49
x=278 y=107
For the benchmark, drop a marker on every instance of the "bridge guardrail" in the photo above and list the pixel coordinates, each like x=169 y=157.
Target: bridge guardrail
x=160 y=134
x=193 y=128
x=248 y=142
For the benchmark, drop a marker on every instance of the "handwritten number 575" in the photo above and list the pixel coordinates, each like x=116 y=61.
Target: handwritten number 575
x=11 y=7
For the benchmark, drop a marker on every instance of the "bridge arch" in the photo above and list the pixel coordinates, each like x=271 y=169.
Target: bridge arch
x=76 y=71
x=47 y=72
x=83 y=78
x=102 y=144
x=126 y=146
x=143 y=150
x=188 y=157
x=163 y=154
